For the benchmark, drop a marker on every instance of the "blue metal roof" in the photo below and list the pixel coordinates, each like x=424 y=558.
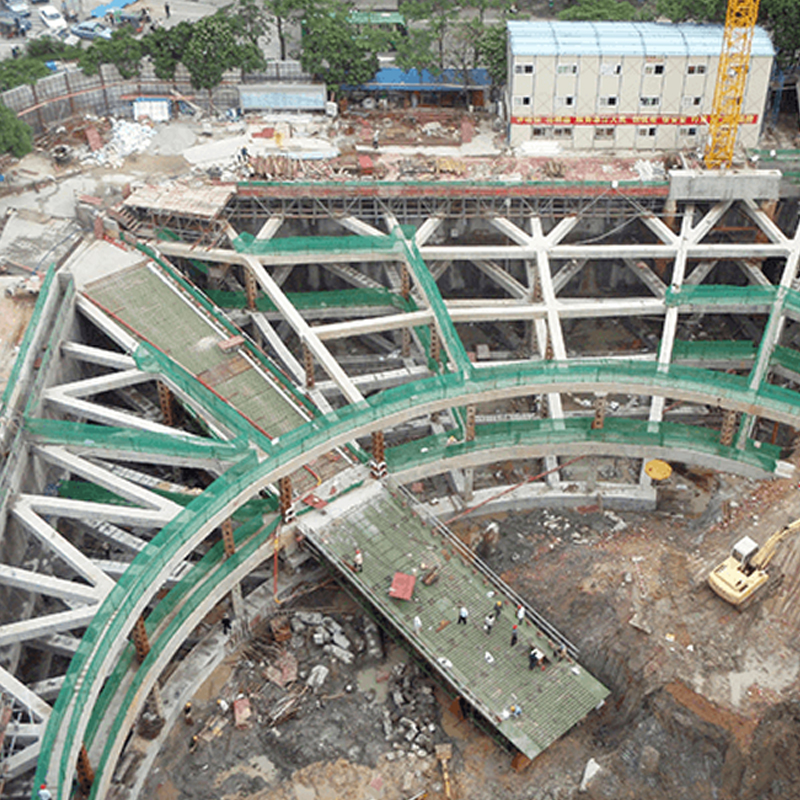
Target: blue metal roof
x=553 y=38
x=448 y=81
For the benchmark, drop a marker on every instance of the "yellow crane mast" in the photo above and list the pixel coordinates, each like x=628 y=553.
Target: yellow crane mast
x=734 y=61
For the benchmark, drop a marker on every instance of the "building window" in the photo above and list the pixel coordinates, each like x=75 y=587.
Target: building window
x=653 y=69
x=568 y=100
x=648 y=131
x=691 y=101
x=696 y=69
x=523 y=69
x=610 y=69
x=649 y=102
x=687 y=132
x=608 y=102
x=522 y=100
x=567 y=69
x=562 y=133
x=540 y=133
x=604 y=132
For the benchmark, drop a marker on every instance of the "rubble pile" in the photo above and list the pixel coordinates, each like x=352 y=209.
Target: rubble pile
x=126 y=139
x=410 y=724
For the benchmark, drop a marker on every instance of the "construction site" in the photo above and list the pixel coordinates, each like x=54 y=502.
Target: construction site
x=371 y=458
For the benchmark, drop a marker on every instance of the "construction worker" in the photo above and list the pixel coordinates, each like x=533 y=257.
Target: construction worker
x=520 y=615
x=44 y=793
x=514 y=637
x=535 y=658
x=498 y=608
x=488 y=622
x=417 y=625
x=358 y=561
x=226 y=624
x=193 y=743
x=462 y=616
x=515 y=711
x=187 y=714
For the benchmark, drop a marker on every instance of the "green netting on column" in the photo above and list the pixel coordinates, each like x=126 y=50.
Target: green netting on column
x=30 y=331
x=102 y=437
x=247 y=243
x=576 y=431
x=701 y=350
x=791 y=301
x=721 y=295
x=787 y=358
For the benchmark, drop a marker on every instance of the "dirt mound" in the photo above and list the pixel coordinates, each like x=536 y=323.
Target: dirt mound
x=773 y=766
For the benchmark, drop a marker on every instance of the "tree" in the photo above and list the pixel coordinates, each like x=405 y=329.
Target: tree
x=493 y=50
x=285 y=12
x=122 y=50
x=336 y=51
x=602 y=10
x=19 y=71
x=438 y=17
x=699 y=10
x=249 y=20
x=166 y=47
x=782 y=17
x=213 y=49
x=16 y=136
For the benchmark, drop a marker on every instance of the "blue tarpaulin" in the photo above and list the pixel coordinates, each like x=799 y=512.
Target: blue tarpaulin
x=101 y=11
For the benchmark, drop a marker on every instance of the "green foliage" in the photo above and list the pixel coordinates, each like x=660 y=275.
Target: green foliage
x=336 y=51
x=249 y=20
x=600 y=10
x=48 y=48
x=21 y=71
x=283 y=12
x=213 y=49
x=166 y=47
x=123 y=51
x=16 y=136
x=698 y=10
x=493 y=51
x=782 y=17
x=435 y=18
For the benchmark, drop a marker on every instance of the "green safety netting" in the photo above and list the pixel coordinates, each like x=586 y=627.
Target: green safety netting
x=47 y=294
x=339 y=298
x=700 y=350
x=105 y=437
x=667 y=435
x=721 y=295
x=786 y=357
x=386 y=244
x=791 y=301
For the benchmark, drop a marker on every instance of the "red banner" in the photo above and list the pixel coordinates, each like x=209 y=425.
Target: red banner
x=640 y=119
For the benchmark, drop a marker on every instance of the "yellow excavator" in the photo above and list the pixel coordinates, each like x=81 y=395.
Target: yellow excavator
x=743 y=572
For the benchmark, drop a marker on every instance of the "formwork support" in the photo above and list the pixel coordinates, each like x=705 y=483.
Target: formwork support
x=165 y=401
x=405 y=282
x=728 y=427
x=308 y=364
x=140 y=640
x=250 y=288
x=405 y=347
x=599 y=412
x=85 y=772
x=287 y=508
x=227 y=538
x=469 y=433
x=548 y=348
x=436 y=345
x=378 y=463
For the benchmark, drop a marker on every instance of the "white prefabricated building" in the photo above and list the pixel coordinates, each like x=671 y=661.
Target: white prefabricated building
x=624 y=85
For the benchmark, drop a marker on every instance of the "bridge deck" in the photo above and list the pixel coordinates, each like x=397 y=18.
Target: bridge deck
x=481 y=667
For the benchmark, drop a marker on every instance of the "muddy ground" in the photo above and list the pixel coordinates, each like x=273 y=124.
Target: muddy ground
x=704 y=698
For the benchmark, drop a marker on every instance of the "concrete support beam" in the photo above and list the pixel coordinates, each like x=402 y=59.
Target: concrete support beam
x=269 y=228
x=359 y=227
x=426 y=230
x=28 y=629
x=57 y=643
x=567 y=273
x=39 y=583
x=361 y=327
x=24 y=511
x=80 y=509
x=107 y=479
x=764 y=221
x=24 y=696
x=112 y=329
x=97 y=355
x=659 y=228
x=305 y=332
x=105 y=383
x=700 y=272
x=354 y=276
x=290 y=363
x=501 y=278
x=646 y=275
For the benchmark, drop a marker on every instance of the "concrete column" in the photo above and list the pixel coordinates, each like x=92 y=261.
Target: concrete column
x=165 y=401
x=378 y=463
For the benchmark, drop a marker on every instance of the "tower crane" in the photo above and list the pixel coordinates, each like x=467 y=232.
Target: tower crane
x=734 y=61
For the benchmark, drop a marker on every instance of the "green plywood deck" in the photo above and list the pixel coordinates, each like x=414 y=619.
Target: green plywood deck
x=144 y=299
x=393 y=538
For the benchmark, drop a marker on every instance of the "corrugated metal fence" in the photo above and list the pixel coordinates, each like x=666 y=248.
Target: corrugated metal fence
x=70 y=93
